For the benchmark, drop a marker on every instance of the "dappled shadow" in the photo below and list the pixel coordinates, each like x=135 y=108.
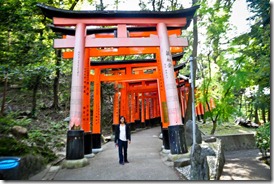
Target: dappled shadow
x=245 y=169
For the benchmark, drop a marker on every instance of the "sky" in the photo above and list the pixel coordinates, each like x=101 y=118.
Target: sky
x=238 y=18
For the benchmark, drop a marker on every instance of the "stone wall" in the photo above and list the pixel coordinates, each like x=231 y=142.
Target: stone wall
x=238 y=141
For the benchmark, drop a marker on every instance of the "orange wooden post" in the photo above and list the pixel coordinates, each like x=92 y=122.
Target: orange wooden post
x=151 y=117
x=154 y=110
x=180 y=100
x=158 y=110
x=137 y=111
x=77 y=78
x=198 y=112
x=123 y=102
x=115 y=108
x=163 y=103
x=126 y=103
x=96 y=124
x=86 y=95
x=185 y=91
x=174 y=111
x=132 y=110
x=147 y=120
x=143 y=112
x=202 y=112
x=176 y=128
x=86 y=106
x=151 y=110
x=122 y=91
x=183 y=101
x=212 y=103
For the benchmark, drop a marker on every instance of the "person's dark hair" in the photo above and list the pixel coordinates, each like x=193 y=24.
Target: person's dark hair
x=124 y=119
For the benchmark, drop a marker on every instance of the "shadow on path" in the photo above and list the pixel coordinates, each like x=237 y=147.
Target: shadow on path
x=245 y=165
x=143 y=155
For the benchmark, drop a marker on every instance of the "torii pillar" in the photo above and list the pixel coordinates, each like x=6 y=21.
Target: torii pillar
x=143 y=125
x=115 y=109
x=137 y=122
x=76 y=101
x=176 y=127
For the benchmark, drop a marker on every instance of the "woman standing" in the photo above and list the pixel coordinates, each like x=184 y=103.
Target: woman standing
x=122 y=138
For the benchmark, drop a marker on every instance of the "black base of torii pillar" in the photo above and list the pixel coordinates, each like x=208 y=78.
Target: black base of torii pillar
x=96 y=143
x=87 y=143
x=177 y=141
x=165 y=138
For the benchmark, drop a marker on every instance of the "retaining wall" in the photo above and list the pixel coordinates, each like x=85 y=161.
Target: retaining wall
x=238 y=141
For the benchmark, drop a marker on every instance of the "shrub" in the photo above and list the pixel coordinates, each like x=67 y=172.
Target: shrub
x=262 y=138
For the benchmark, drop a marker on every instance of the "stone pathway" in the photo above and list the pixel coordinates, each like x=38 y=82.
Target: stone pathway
x=245 y=165
x=148 y=164
x=143 y=154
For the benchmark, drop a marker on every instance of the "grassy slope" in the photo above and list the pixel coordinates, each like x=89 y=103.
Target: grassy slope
x=225 y=129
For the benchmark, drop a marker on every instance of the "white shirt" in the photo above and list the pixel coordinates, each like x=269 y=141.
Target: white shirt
x=123 y=133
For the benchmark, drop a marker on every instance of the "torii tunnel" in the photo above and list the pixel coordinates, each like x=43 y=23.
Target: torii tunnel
x=148 y=91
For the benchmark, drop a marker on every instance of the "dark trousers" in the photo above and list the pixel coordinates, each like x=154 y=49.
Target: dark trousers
x=122 y=146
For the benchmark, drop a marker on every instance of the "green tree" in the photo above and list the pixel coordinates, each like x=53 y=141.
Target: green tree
x=255 y=54
x=214 y=73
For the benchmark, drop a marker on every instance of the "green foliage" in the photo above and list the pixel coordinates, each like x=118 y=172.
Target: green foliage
x=12 y=147
x=263 y=138
x=8 y=121
x=261 y=10
x=107 y=107
x=227 y=69
x=36 y=144
x=159 y=5
x=33 y=73
x=254 y=59
x=226 y=128
x=38 y=137
x=215 y=74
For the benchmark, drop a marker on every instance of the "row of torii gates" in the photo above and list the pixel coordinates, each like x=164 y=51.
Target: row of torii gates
x=147 y=90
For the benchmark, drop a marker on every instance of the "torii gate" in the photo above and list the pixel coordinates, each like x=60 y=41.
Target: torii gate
x=138 y=67
x=123 y=19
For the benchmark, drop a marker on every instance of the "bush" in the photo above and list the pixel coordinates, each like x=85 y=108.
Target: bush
x=262 y=138
x=36 y=144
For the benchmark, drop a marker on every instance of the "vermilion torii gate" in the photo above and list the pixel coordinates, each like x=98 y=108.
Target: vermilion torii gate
x=123 y=20
x=133 y=83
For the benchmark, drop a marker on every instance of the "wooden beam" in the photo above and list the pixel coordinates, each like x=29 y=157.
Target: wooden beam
x=95 y=52
x=120 y=42
x=170 y=22
x=126 y=78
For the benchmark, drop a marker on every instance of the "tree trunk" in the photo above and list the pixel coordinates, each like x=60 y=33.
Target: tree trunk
x=55 y=104
x=251 y=113
x=213 y=127
x=34 y=94
x=256 y=115
x=101 y=5
x=73 y=5
x=240 y=104
x=189 y=106
x=194 y=55
x=264 y=114
x=4 y=94
x=268 y=114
